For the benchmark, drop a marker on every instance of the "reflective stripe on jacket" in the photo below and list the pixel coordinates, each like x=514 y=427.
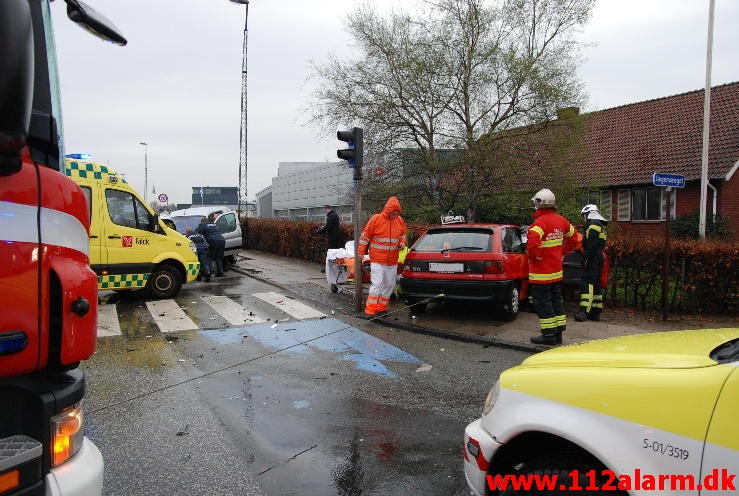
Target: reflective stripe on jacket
x=384 y=236
x=551 y=236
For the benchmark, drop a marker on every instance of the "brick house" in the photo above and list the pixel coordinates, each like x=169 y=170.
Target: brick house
x=625 y=145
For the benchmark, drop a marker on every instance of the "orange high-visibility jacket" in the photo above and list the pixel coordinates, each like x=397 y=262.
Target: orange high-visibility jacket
x=551 y=236
x=384 y=236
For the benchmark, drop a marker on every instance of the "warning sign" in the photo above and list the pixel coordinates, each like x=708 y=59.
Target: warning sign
x=163 y=198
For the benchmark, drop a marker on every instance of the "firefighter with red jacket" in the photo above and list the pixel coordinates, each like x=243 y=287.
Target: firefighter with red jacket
x=550 y=237
x=384 y=234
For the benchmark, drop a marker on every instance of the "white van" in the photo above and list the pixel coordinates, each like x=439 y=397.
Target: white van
x=226 y=220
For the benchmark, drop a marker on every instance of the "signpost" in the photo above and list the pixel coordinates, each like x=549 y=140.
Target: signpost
x=667 y=181
x=163 y=198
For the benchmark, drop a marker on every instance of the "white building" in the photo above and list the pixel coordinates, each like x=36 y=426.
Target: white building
x=301 y=189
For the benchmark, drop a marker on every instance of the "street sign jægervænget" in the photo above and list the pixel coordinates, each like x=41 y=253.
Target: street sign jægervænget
x=668 y=180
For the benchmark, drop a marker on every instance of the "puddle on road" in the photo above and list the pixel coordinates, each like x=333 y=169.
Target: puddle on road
x=304 y=338
x=310 y=441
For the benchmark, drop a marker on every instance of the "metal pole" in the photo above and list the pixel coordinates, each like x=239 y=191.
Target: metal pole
x=244 y=113
x=146 y=171
x=357 y=232
x=666 y=269
x=706 y=125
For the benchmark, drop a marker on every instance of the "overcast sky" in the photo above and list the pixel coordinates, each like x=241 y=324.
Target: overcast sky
x=177 y=84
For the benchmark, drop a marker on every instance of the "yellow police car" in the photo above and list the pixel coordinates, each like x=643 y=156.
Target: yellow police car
x=641 y=415
x=130 y=248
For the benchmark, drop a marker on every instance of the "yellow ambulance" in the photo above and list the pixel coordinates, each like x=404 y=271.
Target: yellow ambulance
x=130 y=248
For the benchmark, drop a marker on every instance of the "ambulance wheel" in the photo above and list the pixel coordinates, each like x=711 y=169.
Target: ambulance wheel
x=164 y=282
x=560 y=465
x=509 y=309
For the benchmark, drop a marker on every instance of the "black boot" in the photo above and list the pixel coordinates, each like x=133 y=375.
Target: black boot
x=581 y=315
x=560 y=330
x=594 y=314
x=548 y=339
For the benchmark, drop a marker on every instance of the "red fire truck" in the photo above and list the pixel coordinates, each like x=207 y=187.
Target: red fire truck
x=48 y=293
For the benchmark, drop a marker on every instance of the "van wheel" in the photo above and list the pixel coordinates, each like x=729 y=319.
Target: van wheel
x=509 y=309
x=164 y=282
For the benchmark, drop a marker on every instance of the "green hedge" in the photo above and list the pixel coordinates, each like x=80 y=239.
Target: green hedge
x=705 y=275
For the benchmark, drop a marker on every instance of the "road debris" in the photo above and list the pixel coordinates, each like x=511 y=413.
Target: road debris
x=424 y=368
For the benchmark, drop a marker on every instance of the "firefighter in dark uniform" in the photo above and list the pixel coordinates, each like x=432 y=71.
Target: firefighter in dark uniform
x=550 y=237
x=593 y=244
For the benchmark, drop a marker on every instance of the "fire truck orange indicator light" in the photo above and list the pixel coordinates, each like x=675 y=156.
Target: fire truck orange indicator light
x=10 y=480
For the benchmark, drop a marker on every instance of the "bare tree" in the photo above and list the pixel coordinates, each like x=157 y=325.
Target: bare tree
x=454 y=74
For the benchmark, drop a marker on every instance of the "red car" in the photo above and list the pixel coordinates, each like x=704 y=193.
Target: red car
x=478 y=262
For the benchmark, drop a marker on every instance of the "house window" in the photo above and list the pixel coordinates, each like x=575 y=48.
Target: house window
x=602 y=199
x=646 y=204
x=624 y=205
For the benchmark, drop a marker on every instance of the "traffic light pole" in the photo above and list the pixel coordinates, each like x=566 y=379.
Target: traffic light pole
x=357 y=230
x=354 y=155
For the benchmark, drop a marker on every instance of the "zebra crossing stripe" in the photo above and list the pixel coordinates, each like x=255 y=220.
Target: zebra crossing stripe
x=108 y=324
x=234 y=313
x=169 y=317
x=291 y=307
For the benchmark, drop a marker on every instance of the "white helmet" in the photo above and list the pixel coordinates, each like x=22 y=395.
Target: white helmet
x=543 y=199
x=591 y=212
x=588 y=208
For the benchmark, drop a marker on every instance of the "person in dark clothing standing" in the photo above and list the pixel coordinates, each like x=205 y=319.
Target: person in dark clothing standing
x=215 y=240
x=593 y=244
x=332 y=228
x=202 y=248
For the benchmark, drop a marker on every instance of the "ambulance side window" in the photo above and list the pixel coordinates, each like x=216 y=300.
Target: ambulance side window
x=88 y=196
x=125 y=210
x=143 y=217
x=120 y=208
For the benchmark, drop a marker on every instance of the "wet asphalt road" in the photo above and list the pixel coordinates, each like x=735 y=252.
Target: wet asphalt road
x=330 y=406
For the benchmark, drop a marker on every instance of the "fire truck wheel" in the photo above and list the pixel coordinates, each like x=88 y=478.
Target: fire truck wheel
x=164 y=282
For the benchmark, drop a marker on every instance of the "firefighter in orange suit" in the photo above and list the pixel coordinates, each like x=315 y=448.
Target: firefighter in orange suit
x=550 y=237
x=384 y=234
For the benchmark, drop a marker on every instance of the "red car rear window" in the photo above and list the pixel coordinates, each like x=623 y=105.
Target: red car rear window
x=458 y=240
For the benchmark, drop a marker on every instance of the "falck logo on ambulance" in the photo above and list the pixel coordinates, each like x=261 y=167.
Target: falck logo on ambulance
x=127 y=241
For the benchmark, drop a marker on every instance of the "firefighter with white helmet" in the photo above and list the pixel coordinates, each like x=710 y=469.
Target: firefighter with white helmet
x=593 y=244
x=550 y=237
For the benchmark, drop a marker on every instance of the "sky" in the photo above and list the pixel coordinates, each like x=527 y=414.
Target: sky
x=177 y=84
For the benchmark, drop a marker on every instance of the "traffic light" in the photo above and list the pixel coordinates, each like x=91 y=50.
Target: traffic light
x=355 y=153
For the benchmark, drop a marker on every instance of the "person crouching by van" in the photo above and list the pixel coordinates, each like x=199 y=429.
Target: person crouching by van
x=202 y=249
x=216 y=241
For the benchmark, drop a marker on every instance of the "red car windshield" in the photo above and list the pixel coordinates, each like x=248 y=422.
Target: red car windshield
x=458 y=240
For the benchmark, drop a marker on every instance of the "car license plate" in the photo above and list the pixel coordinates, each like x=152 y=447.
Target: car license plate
x=446 y=267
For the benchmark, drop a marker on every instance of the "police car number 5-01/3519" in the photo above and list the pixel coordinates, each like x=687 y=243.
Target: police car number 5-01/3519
x=665 y=449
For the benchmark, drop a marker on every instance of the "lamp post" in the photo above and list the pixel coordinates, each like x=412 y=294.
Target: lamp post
x=706 y=127
x=243 y=140
x=146 y=170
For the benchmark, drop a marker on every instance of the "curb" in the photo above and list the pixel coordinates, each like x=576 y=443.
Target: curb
x=456 y=336
x=429 y=331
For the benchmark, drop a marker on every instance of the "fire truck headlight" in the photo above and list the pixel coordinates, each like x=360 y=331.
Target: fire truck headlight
x=67 y=434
